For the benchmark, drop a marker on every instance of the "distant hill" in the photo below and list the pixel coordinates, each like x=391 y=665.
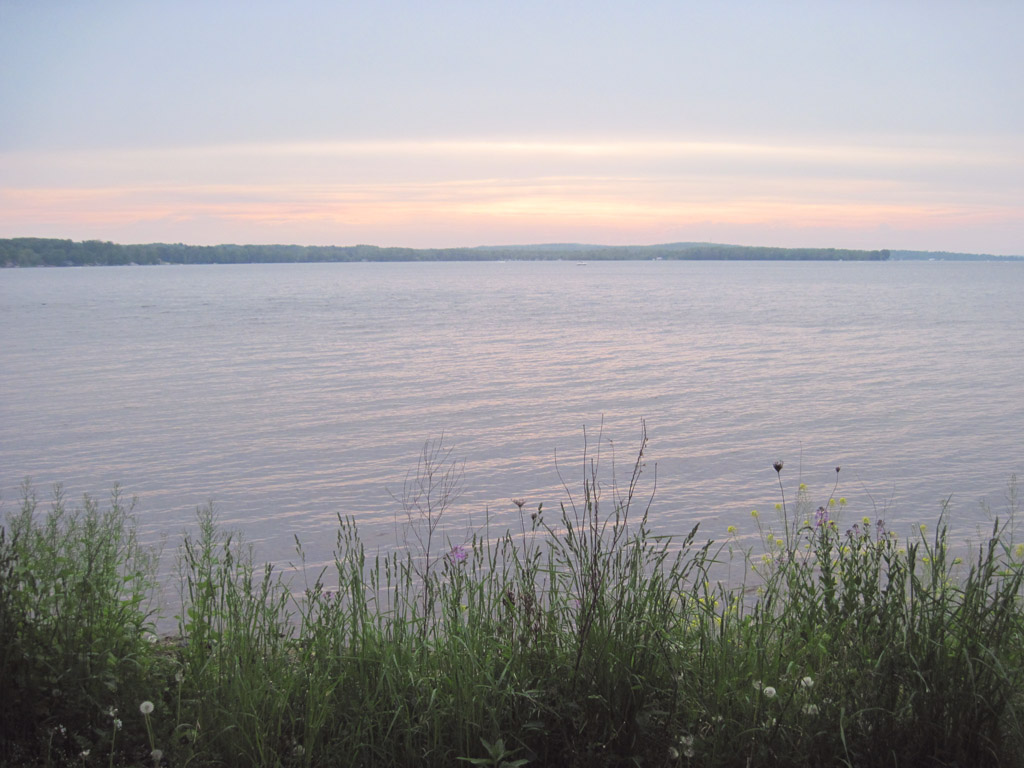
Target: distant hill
x=35 y=251
x=48 y=252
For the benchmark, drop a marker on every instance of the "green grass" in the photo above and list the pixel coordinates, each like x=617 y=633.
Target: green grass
x=580 y=639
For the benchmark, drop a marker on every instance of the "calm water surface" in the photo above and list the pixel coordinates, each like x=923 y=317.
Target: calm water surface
x=289 y=394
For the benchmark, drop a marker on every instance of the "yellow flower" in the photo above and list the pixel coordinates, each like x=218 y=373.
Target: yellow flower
x=778 y=506
x=731 y=529
x=866 y=520
x=753 y=513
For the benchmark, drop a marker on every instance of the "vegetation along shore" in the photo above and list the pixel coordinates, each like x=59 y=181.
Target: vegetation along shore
x=580 y=639
x=47 y=252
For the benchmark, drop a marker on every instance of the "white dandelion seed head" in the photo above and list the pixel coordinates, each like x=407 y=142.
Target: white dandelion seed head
x=807 y=682
x=146 y=707
x=769 y=692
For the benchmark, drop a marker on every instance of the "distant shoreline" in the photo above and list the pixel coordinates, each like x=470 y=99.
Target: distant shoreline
x=29 y=252
x=52 y=252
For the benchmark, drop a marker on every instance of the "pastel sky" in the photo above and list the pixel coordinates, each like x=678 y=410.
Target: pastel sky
x=896 y=124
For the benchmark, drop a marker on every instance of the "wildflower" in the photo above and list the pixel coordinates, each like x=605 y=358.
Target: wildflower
x=778 y=507
x=157 y=755
x=686 y=742
x=117 y=723
x=458 y=554
x=803 y=486
x=820 y=517
x=756 y=684
x=146 y=707
x=179 y=677
x=842 y=500
x=777 y=466
x=753 y=513
x=731 y=529
x=780 y=543
x=673 y=753
x=519 y=503
x=923 y=527
x=810 y=709
x=769 y=692
x=84 y=753
x=866 y=520
x=837 y=470
x=807 y=682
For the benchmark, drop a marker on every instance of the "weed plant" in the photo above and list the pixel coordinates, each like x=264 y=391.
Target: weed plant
x=580 y=639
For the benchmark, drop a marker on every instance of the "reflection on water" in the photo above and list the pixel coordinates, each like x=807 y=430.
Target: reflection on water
x=289 y=394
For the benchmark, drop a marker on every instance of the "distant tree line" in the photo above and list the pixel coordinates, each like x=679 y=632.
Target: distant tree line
x=47 y=252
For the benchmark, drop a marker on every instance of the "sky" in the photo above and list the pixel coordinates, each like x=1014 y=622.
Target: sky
x=896 y=124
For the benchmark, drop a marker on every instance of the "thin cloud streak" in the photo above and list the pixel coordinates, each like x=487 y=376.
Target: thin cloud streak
x=991 y=153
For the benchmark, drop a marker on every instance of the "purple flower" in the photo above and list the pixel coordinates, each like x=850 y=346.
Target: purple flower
x=820 y=517
x=458 y=554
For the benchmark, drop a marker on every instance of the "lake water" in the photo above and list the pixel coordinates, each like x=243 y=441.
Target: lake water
x=289 y=394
